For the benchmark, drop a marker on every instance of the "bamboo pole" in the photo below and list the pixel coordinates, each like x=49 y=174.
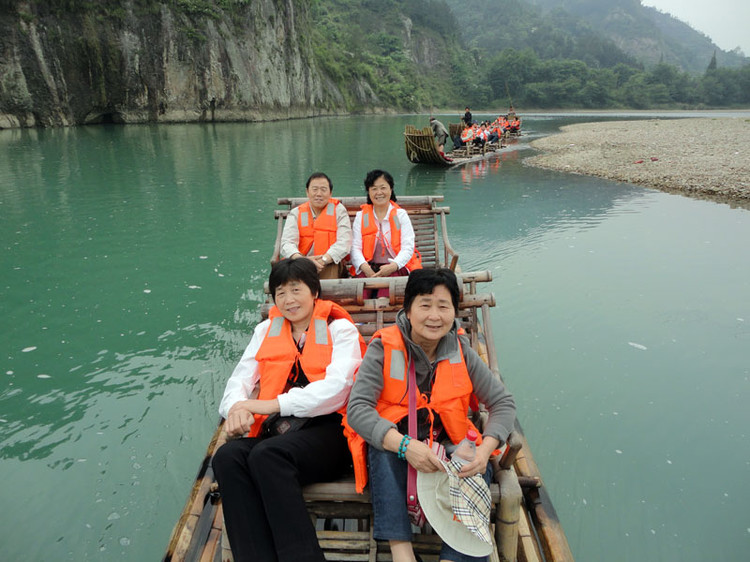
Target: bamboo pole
x=553 y=542
x=507 y=515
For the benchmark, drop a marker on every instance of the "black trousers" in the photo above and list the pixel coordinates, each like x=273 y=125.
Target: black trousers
x=261 y=482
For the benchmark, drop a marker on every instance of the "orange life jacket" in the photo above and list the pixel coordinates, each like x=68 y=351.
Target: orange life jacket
x=319 y=231
x=516 y=123
x=278 y=352
x=467 y=134
x=450 y=396
x=369 y=229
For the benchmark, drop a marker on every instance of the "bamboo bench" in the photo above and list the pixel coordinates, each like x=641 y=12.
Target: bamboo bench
x=427 y=218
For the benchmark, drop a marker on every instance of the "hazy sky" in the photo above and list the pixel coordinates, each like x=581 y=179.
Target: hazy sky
x=726 y=22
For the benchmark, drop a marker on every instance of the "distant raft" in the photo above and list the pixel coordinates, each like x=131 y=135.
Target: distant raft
x=421 y=149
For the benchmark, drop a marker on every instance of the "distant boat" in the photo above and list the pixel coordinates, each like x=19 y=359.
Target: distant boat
x=421 y=148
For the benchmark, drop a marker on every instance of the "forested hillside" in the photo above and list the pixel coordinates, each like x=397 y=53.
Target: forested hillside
x=646 y=33
x=67 y=62
x=591 y=54
x=492 y=26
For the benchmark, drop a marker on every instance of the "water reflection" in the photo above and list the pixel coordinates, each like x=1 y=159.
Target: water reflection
x=132 y=272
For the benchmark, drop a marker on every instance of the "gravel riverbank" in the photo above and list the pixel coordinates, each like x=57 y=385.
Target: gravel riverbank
x=699 y=157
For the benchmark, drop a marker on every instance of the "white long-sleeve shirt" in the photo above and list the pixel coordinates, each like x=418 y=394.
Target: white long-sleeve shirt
x=318 y=398
x=407 y=239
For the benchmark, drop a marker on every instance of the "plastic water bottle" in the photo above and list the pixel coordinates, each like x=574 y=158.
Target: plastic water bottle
x=467 y=448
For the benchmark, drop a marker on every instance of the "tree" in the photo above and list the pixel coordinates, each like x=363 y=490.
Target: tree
x=510 y=70
x=712 y=64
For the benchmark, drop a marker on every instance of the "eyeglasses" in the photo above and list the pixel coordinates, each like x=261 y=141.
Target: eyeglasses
x=318 y=189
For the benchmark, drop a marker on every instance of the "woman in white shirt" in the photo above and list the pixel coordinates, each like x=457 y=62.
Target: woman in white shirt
x=283 y=403
x=383 y=237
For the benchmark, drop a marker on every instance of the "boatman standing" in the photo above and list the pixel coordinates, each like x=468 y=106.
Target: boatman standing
x=440 y=132
x=319 y=229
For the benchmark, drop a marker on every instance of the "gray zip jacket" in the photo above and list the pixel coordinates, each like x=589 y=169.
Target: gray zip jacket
x=364 y=418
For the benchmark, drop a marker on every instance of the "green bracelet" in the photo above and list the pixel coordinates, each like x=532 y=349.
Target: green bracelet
x=405 y=440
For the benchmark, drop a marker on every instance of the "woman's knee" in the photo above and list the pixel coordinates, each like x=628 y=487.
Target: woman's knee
x=230 y=454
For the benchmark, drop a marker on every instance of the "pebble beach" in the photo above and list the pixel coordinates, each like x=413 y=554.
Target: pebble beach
x=705 y=157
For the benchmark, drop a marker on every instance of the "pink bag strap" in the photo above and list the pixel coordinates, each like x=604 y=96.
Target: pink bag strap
x=411 y=480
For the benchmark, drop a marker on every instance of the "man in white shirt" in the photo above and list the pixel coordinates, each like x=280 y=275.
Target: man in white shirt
x=319 y=229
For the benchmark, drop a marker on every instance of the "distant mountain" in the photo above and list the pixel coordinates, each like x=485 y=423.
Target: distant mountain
x=491 y=26
x=646 y=33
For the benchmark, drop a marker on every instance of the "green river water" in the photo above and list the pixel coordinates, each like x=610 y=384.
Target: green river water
x=131 y=273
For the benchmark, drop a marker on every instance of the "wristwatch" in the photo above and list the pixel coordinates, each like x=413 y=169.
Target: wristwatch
x=325 y=258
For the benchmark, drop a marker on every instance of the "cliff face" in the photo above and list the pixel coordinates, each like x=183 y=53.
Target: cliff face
x=160 y=62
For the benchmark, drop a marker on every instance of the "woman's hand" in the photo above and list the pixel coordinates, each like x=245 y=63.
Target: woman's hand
x=367 y=269
x=421 y=457
x=479 y=464
x=387 y=270
x=240 y=417
x=418 y=454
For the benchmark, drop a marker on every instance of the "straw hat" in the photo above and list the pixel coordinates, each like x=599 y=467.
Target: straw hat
x=457 y=508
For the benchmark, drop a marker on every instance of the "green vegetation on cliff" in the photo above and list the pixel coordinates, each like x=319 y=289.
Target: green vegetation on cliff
x=407 y=52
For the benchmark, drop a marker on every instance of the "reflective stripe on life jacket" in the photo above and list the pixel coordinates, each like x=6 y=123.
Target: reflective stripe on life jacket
x=450 y=396
x=316 y=232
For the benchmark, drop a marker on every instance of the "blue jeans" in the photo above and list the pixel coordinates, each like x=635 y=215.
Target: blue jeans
x=388 y=495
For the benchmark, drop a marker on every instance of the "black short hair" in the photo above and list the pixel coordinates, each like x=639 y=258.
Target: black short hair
x=370 y=179
x=288 y=270
x=424 y=281
x=318 y=175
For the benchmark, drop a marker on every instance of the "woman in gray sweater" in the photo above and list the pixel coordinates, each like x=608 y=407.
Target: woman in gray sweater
x=448 y=371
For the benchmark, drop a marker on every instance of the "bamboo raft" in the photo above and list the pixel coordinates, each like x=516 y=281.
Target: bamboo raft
x=421 y=149
x=525 y=524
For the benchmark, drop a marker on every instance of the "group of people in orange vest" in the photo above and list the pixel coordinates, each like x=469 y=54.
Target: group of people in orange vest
x=488 y=131
x=296 y=413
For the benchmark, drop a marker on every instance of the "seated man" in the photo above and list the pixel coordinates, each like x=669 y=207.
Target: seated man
x=495 y=132
x=480 y=135
x=319 y=229
x=466 y=136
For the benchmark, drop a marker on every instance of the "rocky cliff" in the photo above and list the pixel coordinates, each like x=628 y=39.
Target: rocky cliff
x=68 y=63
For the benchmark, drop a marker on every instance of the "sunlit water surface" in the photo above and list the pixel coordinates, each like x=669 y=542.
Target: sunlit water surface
x=132 y=268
